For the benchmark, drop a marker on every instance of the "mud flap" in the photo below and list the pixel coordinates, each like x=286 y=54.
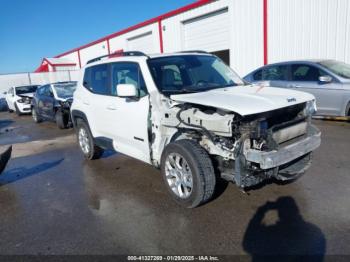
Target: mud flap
x=4 y=158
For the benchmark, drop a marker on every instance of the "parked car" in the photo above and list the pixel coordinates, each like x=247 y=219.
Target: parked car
x=52 y=102
x=189 y=114
x=327 y=80
x=19 y=98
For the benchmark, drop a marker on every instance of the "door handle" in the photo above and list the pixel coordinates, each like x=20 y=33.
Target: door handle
x=86 y=103
x=297 y=86
x=111 y=107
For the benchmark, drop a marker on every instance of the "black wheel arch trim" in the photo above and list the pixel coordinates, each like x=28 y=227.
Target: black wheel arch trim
x=75 y=114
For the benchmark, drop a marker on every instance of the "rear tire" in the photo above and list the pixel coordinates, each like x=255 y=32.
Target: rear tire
x=86 y=142
x=60 y=120
x=188 y=173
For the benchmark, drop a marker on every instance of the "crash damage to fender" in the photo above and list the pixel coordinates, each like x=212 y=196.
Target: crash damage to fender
x=251 y=134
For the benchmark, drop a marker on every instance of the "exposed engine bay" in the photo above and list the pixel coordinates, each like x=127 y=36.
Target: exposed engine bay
x=248 y=149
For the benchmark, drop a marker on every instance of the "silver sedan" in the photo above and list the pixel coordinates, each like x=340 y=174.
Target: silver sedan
x=327 y=80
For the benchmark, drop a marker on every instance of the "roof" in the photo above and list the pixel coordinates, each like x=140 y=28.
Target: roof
x=139 y=58
x=59 y=61
x=44 y=66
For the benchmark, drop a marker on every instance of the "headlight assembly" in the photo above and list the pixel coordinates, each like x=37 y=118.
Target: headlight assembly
x=310 y=108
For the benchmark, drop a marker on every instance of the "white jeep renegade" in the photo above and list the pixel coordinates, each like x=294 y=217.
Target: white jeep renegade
x=191 y=116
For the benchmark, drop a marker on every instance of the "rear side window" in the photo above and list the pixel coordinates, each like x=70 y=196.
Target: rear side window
x=278 y=72
x=96 y=79
x=302 y=72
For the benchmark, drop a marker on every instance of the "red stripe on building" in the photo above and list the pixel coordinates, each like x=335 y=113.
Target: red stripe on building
x=160 y=29
x=265 y=17
x=108 y=47
x=148 y=22
x=79 y=58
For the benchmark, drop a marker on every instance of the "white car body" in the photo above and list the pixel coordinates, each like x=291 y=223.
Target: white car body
x=22 y=102
x=144 y=127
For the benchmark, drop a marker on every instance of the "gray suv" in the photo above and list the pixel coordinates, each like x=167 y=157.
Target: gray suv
x=327 y=80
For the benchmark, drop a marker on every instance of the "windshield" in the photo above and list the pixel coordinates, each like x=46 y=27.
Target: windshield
x=25 y=89
x=191 y=73
x=338 y=68
x=65 y=90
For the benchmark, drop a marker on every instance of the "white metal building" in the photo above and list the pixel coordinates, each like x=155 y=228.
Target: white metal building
x=244 y=33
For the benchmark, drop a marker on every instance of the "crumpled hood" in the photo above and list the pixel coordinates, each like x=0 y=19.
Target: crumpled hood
x=246 y=100
x=30 y=95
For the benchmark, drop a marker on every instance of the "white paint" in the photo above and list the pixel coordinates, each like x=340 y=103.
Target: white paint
x=246 y=100
x=300 y=29
x=131 y=40
x=93 y=51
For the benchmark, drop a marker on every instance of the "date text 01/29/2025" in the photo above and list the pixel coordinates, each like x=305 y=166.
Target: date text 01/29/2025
x=173 y=258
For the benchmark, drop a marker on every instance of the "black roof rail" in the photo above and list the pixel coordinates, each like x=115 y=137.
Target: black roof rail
x=195 y=51
x=116 y=54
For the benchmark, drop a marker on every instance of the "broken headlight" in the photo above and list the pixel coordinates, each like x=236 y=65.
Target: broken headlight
x=310 y=108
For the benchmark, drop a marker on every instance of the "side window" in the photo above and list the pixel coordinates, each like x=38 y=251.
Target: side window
x=127 y=73
x=277 y=73
x=40 y=90
x=96 y=79
x=302 y=72
x=46 y=90
x=257 y=75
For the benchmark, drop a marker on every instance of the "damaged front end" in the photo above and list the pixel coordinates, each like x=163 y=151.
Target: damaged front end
x=275 y=144
x=248 y=150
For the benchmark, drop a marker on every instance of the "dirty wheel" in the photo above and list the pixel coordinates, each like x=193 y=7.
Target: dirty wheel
x=86 y=142
x=36 y=117
x=188 y=173
x=60 y=120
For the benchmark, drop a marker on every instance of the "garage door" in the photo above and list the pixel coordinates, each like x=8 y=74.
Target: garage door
x=144 y=43
x=209 y=32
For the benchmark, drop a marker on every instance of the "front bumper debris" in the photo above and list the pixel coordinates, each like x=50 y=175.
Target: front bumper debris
x=284 y=155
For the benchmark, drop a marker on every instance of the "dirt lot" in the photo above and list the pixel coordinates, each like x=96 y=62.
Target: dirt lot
x=54 y=202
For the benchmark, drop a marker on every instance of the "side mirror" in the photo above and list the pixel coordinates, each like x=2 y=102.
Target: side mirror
x=127 y=90
x=325 y=79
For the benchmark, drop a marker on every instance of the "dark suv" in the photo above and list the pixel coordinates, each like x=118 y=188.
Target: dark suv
x=52 y=102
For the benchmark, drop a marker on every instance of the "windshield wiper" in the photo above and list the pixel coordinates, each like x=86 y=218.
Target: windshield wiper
x=185 y=90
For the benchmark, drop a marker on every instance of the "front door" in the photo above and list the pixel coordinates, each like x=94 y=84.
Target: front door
x=123 y=122
x=47 y=103
x=328 y=98
x=128 y=117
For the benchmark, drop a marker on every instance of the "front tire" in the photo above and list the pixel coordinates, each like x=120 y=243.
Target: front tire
x=188 y=173
x=61 y=121
x=86 y=142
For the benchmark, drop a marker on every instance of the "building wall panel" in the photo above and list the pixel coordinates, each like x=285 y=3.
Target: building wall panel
x=93 y=51
x=123 y=41
x=209 y=32
x=302 y=29
x=73 y=57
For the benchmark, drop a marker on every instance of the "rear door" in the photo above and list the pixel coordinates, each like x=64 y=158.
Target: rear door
x=274 y=75
x=47 y=102
x=305 y=77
